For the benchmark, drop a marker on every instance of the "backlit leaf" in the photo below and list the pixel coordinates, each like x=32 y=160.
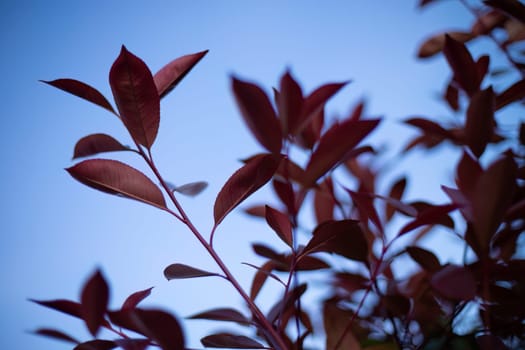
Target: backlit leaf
x=431 y=215
x=479 y=126
x=169 y=76
x=365 y=205
x=94 y=302
x=136 y=97
x=245 y=181
x=82 y=90
x=222 y=314
x=290 y=103
x=115 y=177
x=181 y=271
x=134 y=299
x=426 y=259
x=97 y=143
x=258 y=113
x=462 y=64
x=55 y=334
x=454 y=282
x=227 y=340
x=338 y=141
x=324 y=201
x=97 y=344
x=280 y=223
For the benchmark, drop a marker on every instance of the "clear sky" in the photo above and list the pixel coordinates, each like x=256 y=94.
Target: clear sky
x=55 y=232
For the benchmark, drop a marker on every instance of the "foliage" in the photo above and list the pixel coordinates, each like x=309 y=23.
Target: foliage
x=368 y=305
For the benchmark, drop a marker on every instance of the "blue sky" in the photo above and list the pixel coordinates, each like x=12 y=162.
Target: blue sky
x=55 y=232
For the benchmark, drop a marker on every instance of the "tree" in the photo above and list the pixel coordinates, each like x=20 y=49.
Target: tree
x=353 y=243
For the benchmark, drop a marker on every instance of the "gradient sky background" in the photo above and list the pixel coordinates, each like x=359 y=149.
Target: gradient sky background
x=55 y=232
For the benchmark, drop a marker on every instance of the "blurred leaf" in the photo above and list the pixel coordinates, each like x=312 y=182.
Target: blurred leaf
x=280 y=223
x=430 y=128
x=97 y=344
x=324 y=201
x=232 y=341
x=136 y=97
x=479 y=126
x=343 y=237
x=133 y=344
x=222 y=314
x=284 y=190
x=468 y=172
x=260 y=278
x=290 y=103
x=365 y=204
x=181 y=271
x=258 y=113
x=512 y=8
x=425 y=258
x=191 y=189
x=82 y=90
x=396 y=192
x=94 y=302
x=134 y=299
x=68 y=307
x=245 y=181
x=169 y=76
x=436 y=43
x=462 y=64
x=55 y=334
x=431 y=215
x=488 y=21
x=452 y=97
x=115 y=177
x=513 y=93
x=97 y=143
x=335 y=321
x=334 y=145
x=454 y=282
x=162 y=327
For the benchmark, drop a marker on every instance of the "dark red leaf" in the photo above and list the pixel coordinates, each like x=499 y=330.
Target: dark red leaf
x=425 y=258
x=482 y=66
x=82 y=90
x=133 y=344
x=492 y=197
x=436 y=43
x=69 y=307
x=290 y=103
x=315 y=102
x=97 y=344
x=365 y=205
x=227 y=340
x=452 y=97
x=169 y=76
x=343 y=237
x=222 y=314
x=350 y=281
x=310 y=263
x=115 y=177
x=134 y=299
x=515 y=92
x=94 y=300
x=490 y=342
x=260 y=278
x=467 y=173
x=324 y=201
x=462 y=64
x=280 y=223
x=284 y=190
x=162 y=327
x=256 y=210
x=311 y=133
x=486 y=22
x=429 y=127
x=337 y=142
x=97 y=143
x=512 y=8
x=259 y=115
x=181 y=271
x=55 y=334
x=396 y=192
x=245 y=181
x=479 y=126
x=431 y=215
x=127 y=319
x=335 y=321
x=454 y=282
x=136 y=97
x=459 y=198
x=423 y=3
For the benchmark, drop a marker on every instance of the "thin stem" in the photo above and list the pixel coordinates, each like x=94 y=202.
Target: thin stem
x=275 y=338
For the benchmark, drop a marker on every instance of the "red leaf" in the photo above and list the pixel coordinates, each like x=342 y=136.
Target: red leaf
x=338 y=141
x=284 y=190
x=227 y=340
x=181 y=271
x=343 y=237
x=467 y=173
x=136 y=97
x=96 y=344
x=69 y=307
x=115 y=177
x=365 y=204
x=430 y=128
x=479 y=126
x=462 y=64
x=97 y=143
x=134 y=299
x=435 y=44
x=482 y=67
x=280 y=223
x=487 y=22
x=290 y=103
x=169 y=76
x=258 y=114
x=222 y=314
x=513 y=8
x=133 y=344
x=314 y=104
x=396 y=193
x=94 y=302
x=82 y=90
x=53 y=333
x=426 y=259
x=454 y=282
x=452 y=97
x=260 y=278
x=423 y=3
x=162 y=327
x=428 y=216
x=515 y=92
x=245 y=181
